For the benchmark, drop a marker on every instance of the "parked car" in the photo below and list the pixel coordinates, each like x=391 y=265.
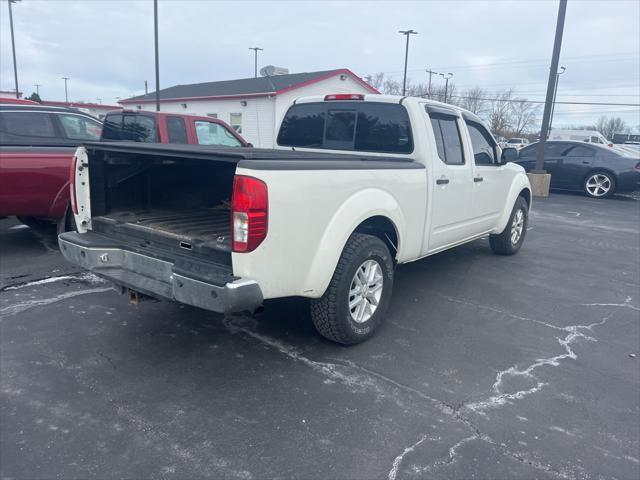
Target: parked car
x=157 y=127
x=358 y=184
x=517 y=143
x=596 y=170
x=589 y=136
x=36 y=147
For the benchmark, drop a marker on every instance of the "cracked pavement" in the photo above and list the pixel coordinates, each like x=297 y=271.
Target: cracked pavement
x=487 y=367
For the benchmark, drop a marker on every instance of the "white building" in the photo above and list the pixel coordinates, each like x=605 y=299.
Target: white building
x=253 y=106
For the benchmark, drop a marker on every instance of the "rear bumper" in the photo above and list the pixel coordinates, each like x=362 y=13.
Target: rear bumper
x=157 y=277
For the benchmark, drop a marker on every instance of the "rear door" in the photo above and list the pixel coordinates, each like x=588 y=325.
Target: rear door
x=452 y=182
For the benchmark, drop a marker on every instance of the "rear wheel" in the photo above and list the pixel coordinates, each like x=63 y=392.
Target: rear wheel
x=511 y=238
x=599 y=185
x=360 y=290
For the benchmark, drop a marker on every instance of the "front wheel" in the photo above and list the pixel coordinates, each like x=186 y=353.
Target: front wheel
x=599 y=185
x=511 y=238
x=360 y=290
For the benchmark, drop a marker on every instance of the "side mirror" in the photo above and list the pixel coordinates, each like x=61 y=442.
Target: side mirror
x=509 y=155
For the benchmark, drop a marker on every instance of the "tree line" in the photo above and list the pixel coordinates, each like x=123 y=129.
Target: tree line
x=505 y=112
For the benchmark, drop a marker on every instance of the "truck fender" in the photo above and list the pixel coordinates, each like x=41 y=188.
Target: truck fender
x=520 y=183
x=359 y=207
x=61 y=201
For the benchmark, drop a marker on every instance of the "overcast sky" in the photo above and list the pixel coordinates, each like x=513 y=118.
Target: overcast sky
x=106 y=47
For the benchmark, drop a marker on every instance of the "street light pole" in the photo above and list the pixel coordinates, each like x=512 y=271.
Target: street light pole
x=406 y=58
x=66 y=92
x=13 y=48
x=555 y=92
x=155 y=32
x=555 y=59
x=255 y=60
x=430 y=72
x=37 y=85
x=446 y=84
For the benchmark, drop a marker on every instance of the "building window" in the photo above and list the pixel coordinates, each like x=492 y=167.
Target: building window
x=235 y=119
x=212 y=115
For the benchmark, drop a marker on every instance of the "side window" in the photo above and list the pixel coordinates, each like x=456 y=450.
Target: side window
x=448 y=140
x=112 y=129
x=579 y=151
x=484 y=152
x=28 y=124
x=139 y=128
x=176 y=130
x=209 y=133
x=78 y=127
x=235 y=120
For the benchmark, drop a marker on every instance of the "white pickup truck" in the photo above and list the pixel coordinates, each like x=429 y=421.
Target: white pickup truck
x=357 y=185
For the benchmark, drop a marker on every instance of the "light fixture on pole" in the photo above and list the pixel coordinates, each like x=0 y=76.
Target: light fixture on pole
x=406 y=33
x=446 y=77
x=555 y=92
x=13 y=47
x=66 y=92
x=255 y=60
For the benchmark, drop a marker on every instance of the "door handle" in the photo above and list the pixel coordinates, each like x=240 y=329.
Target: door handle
x=477 y=179
x=442 y=181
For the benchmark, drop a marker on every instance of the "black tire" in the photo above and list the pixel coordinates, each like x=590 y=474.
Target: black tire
x=602 y=173
x=502 y=243
x=68 y=222
x=331 y=314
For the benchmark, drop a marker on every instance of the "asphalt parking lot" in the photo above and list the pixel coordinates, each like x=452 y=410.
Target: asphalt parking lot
x=487 y=367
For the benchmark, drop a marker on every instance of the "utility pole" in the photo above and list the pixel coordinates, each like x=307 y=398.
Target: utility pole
x=431 y=73
x=13 y=48
x=66 y=92
x=555 y=59
x=446 y=85
x=255 y=60
x=555 y=92
x=406 y=58
x=146 y=88
x=155 y=32
x=37 y=85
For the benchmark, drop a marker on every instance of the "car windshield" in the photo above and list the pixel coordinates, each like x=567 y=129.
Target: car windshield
x=515 y=140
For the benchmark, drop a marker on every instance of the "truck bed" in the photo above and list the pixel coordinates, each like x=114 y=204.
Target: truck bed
x=209 y=227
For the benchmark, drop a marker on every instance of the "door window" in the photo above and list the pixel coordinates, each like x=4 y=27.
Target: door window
x=112 y=129
x=448 y=139
x=210 y=133
x=78 y=127
x=484 y=152
x=28 y=124
x=579 y=151
x=176 y=130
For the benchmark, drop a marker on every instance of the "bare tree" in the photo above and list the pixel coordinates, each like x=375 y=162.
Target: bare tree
x=498 y=113
x=376 y=80
x=522 y=115
x=608 y=126
x=473 y=100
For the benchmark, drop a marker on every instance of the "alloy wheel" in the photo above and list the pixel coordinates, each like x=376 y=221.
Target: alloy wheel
x=365 y=291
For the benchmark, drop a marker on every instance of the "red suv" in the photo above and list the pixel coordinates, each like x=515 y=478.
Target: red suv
x=37 y=145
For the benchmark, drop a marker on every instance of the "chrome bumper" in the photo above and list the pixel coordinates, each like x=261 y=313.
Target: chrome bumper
x=155 y=277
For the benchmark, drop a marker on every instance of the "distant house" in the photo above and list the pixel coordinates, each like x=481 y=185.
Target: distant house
x=10 y=94
x=253 y=106
x=98 y=110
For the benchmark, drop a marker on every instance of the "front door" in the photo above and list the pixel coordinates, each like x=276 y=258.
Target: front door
x=452 y=184
x=491 y=181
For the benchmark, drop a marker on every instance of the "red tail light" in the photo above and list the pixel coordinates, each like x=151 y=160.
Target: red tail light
x=72 y=185
x=344 y=96
x=249 y=213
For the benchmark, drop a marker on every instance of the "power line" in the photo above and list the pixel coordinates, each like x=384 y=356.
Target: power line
x=518 y=100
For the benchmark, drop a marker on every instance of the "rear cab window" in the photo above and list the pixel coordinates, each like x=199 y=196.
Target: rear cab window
x=351 y=126
x=136 y=128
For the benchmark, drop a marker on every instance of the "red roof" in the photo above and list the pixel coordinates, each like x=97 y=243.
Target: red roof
x=52 y=103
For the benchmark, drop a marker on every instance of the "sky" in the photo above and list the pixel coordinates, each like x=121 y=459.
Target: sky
x=106 y=46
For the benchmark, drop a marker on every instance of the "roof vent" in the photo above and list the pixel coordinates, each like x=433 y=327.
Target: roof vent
x=272 y=70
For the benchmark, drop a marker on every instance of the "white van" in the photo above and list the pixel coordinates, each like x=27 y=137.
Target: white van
x=590 y=136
